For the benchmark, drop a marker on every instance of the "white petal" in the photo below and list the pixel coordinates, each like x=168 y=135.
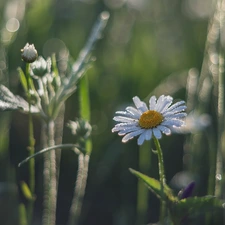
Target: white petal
x=171 y=123
x=164 y=129
x=136 y=114
x=159 y=103
x=123 y=126
x=128 y=130
x=175 y=116
x=148 y=134
x=176 y=105
x=141 y=138
x=167 y=102
x=152 y=103
x=139 y=104
x=157 y=133
x=124 y=113
x=132 y=135
x=176 y=110
x=124 y=119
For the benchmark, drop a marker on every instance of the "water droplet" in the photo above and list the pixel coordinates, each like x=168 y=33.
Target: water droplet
x=218 y=176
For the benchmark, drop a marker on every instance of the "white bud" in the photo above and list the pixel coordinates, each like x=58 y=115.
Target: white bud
x=29 y=53
x=39 y=67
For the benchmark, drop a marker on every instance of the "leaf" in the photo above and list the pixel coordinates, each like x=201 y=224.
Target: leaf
x=155 y=186
x=11 y=102
x=80 y=66
x=23 y=214
x=84 y=99
x=23 y=79
x=190 y=207
x=32 y=87
x=26 y=190
x=77 y=149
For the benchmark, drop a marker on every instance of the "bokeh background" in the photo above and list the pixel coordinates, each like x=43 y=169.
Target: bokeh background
x=148 y=47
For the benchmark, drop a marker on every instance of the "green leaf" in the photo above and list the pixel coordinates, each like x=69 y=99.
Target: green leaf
x=192 y=206
x=155 y=186
x=26 y=191
x=84 y=99
x=23 y=79
x=22 y=214
x=80 y=66
x=10 y=102
x=84 y=104
x=32 y=87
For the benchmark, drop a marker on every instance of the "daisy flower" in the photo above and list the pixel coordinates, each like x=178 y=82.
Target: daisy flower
x=160 y=117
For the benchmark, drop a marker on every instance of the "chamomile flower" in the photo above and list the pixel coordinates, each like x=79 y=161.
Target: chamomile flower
x=160 y=117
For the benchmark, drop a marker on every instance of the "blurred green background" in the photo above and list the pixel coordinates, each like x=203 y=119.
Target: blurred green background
x=144 y=43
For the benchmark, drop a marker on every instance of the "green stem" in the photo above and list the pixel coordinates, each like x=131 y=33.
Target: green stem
x=50 y=182
x=161 y=163
x=31 y=146
x=162 y=177
x=79 y=190
x=220 y=112
x=83 y=159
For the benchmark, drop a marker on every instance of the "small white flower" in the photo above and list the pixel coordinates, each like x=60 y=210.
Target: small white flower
x=160 y=117
x=29 y=53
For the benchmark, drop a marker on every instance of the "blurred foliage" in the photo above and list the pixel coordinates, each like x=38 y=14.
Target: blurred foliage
x=145 y=42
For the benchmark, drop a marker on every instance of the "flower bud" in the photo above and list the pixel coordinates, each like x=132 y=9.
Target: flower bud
x=80 y=128
x=29 y=53
x=187 y=191
x=39 y=67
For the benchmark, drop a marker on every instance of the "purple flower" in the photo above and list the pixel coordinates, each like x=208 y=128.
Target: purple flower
x=187 y=191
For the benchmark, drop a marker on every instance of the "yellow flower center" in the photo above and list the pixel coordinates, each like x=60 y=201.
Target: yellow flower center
x=150 y=119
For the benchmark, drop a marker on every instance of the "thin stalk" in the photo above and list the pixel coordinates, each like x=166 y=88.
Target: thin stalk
x=55 y=147
x=59 y=125
x=220 y=182
x=220 y=112
x=212 y=164
x=79 y=191
x=59 y=122
x=31 y=147
x=50 y=183
x=162 y=177
x=83 y=159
